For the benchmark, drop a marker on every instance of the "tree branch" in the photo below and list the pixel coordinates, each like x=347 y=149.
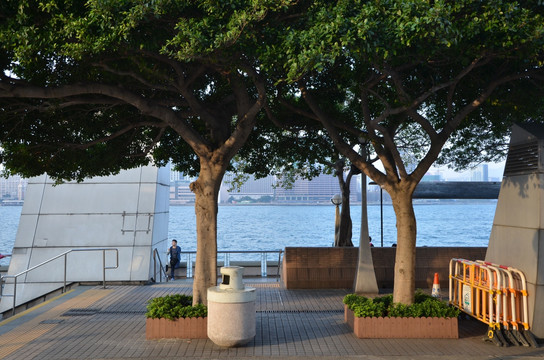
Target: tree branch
x=377 y=142
x=116 y=135
x=297 y=110
x=146 y=106
x=134 y=76
x=184 y=88
x=246 y=121
x=342 y=146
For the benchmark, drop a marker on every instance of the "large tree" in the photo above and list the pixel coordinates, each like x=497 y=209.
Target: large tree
x=90 y=88
x=415 y=79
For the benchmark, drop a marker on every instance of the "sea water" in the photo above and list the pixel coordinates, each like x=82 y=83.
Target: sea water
x=273 y=227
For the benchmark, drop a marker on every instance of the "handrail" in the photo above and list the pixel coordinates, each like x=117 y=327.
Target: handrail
x=65 y=254
x=161 y=268
x=226 y=261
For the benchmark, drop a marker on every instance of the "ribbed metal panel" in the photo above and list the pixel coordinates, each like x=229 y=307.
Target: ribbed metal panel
x=522 y=159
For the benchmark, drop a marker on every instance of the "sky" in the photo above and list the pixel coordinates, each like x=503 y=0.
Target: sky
x=495 y=172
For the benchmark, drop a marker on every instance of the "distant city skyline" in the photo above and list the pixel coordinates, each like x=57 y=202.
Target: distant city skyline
x=320 y=190
x=495 y=172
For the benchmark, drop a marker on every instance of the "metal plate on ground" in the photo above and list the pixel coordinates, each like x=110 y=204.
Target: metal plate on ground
x=81 y=312
x=51 y=321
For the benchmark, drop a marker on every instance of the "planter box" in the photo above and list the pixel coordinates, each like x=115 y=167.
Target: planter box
x=183 y=328
x=401 y=328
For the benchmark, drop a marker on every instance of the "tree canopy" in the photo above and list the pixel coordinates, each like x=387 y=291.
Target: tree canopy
x=91 y=88
x=416 y=67
x=116 y=81
x=418 y=81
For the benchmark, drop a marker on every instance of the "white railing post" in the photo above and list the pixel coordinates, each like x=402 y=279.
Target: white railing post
x=189 y=266
x=65 y=270
x=263 y=264
x=227 y=262
x=103 y=269
x=14 y=295
x=279 y=265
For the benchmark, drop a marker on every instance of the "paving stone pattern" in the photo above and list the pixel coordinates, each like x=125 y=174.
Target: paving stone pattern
x=303 y=324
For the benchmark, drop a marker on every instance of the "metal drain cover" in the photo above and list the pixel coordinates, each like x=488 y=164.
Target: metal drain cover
x=81 y=312
x=51 y=321
x=300 y=311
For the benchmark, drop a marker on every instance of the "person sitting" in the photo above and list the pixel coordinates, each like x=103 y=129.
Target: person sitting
x=175 y=256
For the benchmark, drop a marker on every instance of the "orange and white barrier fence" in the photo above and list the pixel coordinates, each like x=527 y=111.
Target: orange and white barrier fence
x=494 y=294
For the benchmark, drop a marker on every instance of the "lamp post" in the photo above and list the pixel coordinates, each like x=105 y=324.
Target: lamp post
x=336 y=200
x=381 y=211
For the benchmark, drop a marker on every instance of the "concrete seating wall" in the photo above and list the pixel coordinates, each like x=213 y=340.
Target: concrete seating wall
x=319 y=268
x=334 y=268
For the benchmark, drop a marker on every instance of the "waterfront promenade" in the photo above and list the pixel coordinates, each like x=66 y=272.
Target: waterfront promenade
x=95 y=323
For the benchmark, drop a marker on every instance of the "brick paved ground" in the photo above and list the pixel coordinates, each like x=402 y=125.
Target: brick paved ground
x=95 y=323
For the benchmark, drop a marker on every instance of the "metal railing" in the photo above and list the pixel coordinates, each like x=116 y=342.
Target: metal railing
x=65 y=254
x=161 y=267
x=226 y=259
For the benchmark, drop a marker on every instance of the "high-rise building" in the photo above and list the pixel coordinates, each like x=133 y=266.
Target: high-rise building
x=476 y=175
x=180 y=193
x=318 y=190
x=253 y=188
x=12 y=189
x=176 y=175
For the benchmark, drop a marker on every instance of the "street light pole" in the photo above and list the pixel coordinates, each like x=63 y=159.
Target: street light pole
x=381 y=211
x=336 y=200
x=381 y=215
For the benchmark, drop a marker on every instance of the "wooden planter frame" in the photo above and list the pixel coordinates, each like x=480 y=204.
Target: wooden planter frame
x=183 y=328
x=401 y=328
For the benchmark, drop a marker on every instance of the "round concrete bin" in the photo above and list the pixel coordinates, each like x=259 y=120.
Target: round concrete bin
x=231 y=310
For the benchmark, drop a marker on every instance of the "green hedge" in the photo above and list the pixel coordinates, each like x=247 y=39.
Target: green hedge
x=424 y=306
x=174 y=307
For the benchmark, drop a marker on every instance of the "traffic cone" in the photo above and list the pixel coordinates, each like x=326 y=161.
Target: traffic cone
x=436 y=287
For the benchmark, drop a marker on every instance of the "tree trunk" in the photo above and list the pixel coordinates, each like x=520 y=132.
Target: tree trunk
x=343 y=235
x=206 y=189
x=344 y=232
x=404 y=288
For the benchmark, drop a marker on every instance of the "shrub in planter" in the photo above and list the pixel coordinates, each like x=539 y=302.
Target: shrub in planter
x=428 y=317
x=173 y=316
x=174 y=307
x=423 y=306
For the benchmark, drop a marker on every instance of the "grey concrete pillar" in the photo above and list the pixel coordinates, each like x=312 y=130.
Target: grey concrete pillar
x=517 y=236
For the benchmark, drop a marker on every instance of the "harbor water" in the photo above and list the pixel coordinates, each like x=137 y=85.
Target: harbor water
x=273 y=227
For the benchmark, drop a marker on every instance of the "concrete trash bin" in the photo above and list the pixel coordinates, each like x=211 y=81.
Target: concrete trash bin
x=231 y=309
